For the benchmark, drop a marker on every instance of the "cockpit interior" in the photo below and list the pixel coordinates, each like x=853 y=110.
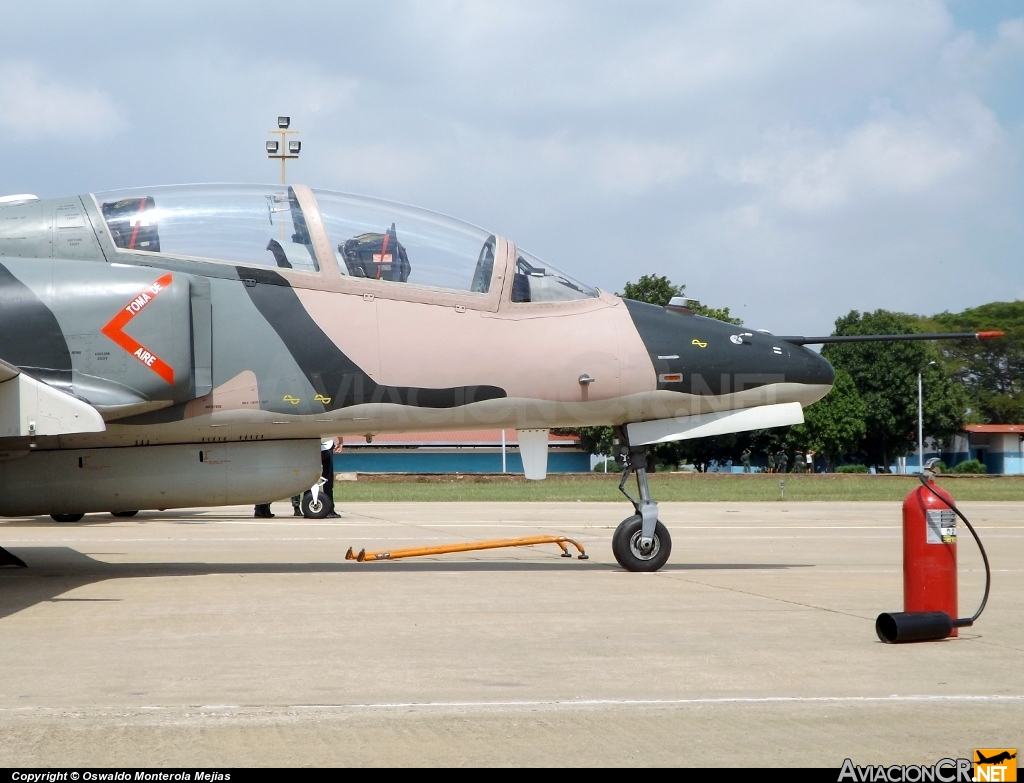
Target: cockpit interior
x=291 y=227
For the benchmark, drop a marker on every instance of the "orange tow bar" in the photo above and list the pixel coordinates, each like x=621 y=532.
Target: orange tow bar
x=444 y=549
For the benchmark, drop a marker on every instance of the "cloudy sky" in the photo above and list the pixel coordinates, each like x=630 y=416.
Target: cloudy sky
x=791 y=160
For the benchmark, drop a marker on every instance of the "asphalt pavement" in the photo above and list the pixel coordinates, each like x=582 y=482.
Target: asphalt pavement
x=207 y=637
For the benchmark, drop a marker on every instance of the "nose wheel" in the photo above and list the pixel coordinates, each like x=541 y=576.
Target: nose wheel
x=633 y=553
x=641 y=542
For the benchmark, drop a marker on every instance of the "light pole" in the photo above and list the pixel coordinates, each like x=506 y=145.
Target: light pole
x=283 y=150
x=920 y=427
x=920 y=423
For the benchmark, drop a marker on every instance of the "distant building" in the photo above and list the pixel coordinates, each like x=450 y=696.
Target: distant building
x=1000 y=447
x=476 y=451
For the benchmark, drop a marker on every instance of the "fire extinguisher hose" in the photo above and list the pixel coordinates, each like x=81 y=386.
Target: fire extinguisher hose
x=966 y=621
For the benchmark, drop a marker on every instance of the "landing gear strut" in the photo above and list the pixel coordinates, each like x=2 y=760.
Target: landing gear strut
x=640 y=542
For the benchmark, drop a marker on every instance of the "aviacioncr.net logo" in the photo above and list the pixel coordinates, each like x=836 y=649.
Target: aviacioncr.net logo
x=998 y=765
x=942 y=771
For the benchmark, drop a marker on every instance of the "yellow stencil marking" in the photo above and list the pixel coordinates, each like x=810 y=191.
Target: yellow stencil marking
x=292 y=400
x=698 y=343
x=321 y=398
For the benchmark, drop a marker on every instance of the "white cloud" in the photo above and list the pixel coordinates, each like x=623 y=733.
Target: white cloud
x=969 y=62
x=783 y=157
x=323 y=95
x=586 y=55
x=32 y=105
x=376 y=167
x=629 y=167
x=948 y=152
x=1011 y=34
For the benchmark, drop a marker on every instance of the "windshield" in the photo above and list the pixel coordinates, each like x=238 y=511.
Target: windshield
x=401 y=244
x=252 y=225
x=538 y=281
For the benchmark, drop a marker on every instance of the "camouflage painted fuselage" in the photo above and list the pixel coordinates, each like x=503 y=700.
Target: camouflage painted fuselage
x=176 y=350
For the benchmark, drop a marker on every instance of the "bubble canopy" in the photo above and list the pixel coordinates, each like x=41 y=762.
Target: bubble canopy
x=261 y=226
x=277 y=226
x=398 y=243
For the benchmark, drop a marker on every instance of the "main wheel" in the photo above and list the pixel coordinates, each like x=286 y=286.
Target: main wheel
x=66 y=517
x=318 y=509
x=124 y=513
x=628 y=552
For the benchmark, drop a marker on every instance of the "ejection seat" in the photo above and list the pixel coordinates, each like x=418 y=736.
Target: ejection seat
x=377 y=256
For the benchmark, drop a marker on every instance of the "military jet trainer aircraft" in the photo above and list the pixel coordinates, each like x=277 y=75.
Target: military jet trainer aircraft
x=188 y=346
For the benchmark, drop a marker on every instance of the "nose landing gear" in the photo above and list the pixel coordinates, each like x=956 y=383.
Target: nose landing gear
x=641 y=542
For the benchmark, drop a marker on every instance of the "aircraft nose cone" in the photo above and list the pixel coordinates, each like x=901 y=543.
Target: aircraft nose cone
x=808 y=367
x=702 y=356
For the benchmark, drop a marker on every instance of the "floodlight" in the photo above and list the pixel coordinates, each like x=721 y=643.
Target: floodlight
x=284 y=122
x=272 y=147
x=294 y=147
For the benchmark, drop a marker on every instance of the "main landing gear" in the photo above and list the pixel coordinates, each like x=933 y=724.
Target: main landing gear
x=315 y=503
x=78 y=517
x=640 y=542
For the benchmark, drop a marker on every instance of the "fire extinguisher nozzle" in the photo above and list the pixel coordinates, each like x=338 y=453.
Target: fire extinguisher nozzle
x=899 y=627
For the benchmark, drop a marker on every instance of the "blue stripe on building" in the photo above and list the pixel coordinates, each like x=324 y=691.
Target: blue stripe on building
x=361 y=460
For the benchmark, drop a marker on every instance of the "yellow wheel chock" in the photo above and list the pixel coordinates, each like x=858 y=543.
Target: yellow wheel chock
x=444 y=549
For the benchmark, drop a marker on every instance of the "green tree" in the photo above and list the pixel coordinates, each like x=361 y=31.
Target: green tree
x=658 y=290
x=991 y=371
x=596 y=440
x=653 y=289
x=834 y=425
x=699 y=451
x=885 y=375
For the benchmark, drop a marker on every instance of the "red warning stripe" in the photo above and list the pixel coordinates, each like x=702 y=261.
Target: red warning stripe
x=114 y=329
x=138 y=222
x=383 y=254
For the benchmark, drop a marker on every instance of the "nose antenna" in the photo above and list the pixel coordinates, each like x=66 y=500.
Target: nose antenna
x=891 y=338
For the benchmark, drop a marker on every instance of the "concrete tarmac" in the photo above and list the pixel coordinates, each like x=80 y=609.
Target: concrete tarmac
x=206 y=637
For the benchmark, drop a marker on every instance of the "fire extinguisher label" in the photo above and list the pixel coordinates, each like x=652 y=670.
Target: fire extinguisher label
x=941 y=526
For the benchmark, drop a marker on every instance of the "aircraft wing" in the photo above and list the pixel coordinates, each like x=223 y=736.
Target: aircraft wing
x=29 y=407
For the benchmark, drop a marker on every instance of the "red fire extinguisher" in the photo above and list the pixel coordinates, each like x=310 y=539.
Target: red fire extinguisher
x=929 y=568
x=929 y=552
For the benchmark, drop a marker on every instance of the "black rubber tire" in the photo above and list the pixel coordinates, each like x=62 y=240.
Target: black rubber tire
x=66 y=517
x=618 y=531
x=124 y=513
x=626 y=554
x=321 y=509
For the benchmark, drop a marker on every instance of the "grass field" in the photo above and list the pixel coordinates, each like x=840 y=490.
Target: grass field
x=666 y=487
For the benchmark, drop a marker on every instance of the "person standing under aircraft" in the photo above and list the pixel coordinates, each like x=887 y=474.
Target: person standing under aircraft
x=771 y=462
x=327 y=447
x=745 y=459
x=782 y=461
